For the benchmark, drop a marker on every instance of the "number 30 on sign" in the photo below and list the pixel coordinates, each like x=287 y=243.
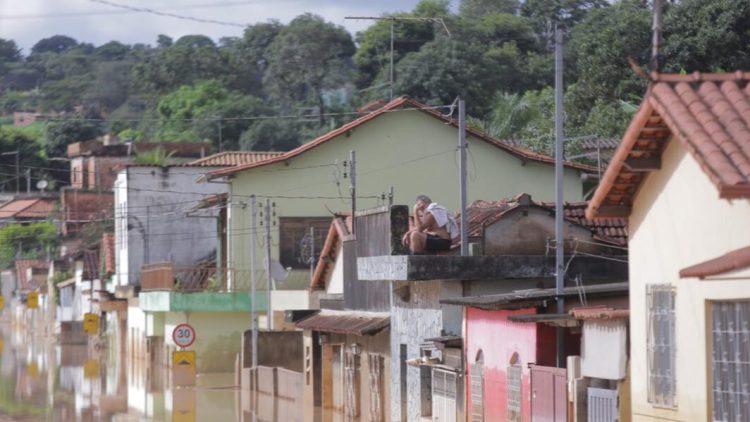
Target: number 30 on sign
x=183 y=335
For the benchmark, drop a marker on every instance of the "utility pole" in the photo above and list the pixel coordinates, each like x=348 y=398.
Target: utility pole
x=28 y=180
x=312 y=251
x=559 y=234
x=462 y=176
x=146 y=237
x=221 y=148
x=18 y=178
x=657 y=27
x=253 y=311
x=269 y=311
x=353 y=188
x=393 y=20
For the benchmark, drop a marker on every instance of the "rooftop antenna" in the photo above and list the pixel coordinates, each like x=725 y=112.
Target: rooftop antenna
x=393 y=19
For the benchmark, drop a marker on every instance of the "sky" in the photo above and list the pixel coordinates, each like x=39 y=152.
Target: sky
x=28 y=21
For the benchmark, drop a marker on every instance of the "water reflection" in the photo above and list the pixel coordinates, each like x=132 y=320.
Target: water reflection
x=44 y=381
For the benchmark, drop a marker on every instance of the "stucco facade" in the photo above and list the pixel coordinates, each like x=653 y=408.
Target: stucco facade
x=677 y=221
x=411 y=151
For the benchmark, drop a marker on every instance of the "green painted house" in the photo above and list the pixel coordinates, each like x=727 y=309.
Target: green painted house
x=404 y=144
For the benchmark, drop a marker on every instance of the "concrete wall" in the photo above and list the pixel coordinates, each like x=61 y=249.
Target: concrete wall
x=678 y=220
x=411 y=323
x=388 y=150
x=499 y=339
x=153 y=201
x=218 y=337
x=281 y=349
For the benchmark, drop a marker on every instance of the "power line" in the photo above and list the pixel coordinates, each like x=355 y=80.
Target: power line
x=170 y=15
x=124 y=12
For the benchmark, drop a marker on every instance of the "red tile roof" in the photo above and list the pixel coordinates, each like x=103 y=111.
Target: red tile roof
x=340 y=230
x=22 y=265
x=599 y=312
x=39 y=208
x=708 y=114
x=234 y=158
x=733 y=261
x=346 y=322
x=483 y=213
x=108 y=252
x=396 y=104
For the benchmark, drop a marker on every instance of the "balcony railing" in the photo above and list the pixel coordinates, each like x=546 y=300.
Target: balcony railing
x=167 y=276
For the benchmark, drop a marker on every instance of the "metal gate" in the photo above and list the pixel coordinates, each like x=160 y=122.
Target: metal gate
x=376 y=387
x=602 y=405
x=337 y=376
x=351 y=384
x=549 y=394
x=443 y=396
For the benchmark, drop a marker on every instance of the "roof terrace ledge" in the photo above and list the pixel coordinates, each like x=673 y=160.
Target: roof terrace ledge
x=453 y=267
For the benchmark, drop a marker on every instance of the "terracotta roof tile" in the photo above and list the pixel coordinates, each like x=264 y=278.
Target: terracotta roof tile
x=108 y=252
x=28 y=208
x=346 y=322
x=708 y=114
x=599 y=312
x=22 y=265
x=396 y=104
x=732 y=261
x=481 y=214
x=234 y=158
x=340 y=230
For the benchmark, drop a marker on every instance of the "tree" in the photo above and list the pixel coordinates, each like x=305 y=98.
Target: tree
x=373 y=54
x=248 y=58
x=271 y=135
x=476 y=9
x=54 y=44
x=112 y=51
x=707 y=36
x=306 y=58
x=29 y=150
x=62 y=133
x=33 y=240
x=110 y=86
x=164 y=41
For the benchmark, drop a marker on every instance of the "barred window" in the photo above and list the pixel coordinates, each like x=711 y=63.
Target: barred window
x=661 y=346
x=514 y=373
x=730 y=360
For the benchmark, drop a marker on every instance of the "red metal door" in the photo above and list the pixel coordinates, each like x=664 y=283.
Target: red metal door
x=548 y=394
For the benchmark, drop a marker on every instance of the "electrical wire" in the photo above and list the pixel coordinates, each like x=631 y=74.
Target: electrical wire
x=170 y=15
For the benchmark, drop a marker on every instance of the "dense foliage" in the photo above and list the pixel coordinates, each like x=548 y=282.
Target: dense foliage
x=26 y=241
x=279 y=85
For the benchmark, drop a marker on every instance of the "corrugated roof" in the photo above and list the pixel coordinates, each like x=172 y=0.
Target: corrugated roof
x=599 y=312
x=396 y=104
x=533 y=297
x=234 y=158
x=346 y=322
x=708 y=114
x=732 y=261
x=28 y=208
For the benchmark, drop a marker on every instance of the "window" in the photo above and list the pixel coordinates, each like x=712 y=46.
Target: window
x=730 y=360
x=477 y=388
x=514 y=372
x=443 y=395
x=295 y=250
x=660 y=302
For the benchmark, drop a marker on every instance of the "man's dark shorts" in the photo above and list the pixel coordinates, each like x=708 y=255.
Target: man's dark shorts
x=436 y=243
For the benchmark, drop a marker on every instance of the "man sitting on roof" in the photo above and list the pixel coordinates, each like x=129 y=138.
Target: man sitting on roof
x=434 y=227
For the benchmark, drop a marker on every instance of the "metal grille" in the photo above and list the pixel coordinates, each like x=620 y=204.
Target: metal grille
x=661 y=347
x=443 y=396
x=730 y=360
x=376 y=387
x=602 y=405
x=477 y=392
x=351 y=385
x=514 y=373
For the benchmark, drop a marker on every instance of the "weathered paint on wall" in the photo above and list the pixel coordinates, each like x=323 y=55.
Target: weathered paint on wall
x=411 y=323
x=150 y=204
x=678 y=220
x=411 y=151
x=164 y=301
x=499 y=339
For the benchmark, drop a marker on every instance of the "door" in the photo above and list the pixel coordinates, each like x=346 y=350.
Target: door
x=337 y=377
x=443 y=396
x=548 y=394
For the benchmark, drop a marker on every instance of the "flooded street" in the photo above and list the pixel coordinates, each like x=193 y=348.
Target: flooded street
x=43 y=381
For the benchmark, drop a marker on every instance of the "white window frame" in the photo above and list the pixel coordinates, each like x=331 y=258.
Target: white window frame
x=661 y=345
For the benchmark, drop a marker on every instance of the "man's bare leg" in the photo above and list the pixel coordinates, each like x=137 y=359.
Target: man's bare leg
x=417 y=241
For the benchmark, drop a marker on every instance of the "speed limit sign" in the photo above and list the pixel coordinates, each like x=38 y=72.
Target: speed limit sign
x=183 y=335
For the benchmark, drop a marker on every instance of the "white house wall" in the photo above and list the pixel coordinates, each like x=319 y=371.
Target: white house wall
x=678 y=220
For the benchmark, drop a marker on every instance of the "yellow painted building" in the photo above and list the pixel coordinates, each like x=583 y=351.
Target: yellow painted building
x=682 y=176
